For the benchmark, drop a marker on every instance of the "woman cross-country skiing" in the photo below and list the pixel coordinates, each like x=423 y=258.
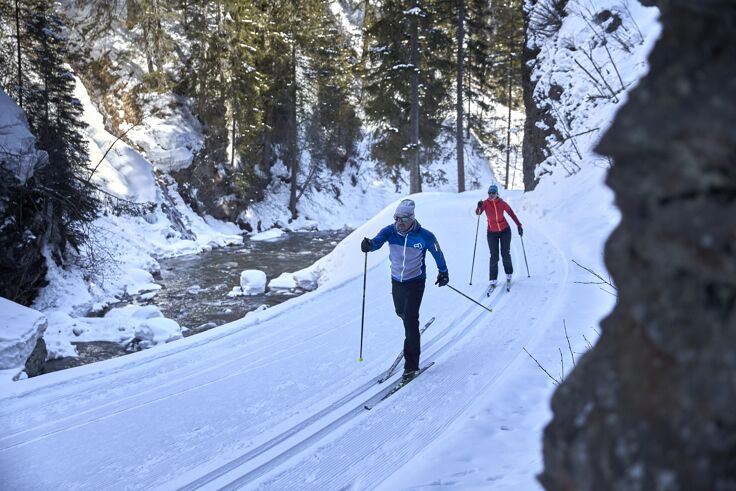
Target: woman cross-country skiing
x=408 y=245
x=499 y=232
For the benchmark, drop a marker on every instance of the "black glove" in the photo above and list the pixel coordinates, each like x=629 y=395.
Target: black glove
x=366 y=245
x=480 y=204
x=521 y=231
x=443 y=278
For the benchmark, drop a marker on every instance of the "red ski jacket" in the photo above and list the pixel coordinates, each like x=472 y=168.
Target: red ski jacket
x=494 y=209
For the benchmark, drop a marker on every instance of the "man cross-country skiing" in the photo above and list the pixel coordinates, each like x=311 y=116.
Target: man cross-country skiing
x=408 y=243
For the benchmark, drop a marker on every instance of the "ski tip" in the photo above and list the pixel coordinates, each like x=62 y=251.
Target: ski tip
x=366 y=408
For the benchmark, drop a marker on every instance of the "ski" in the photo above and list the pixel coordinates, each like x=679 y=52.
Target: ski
x=396 y=362
x=490 y=289
x=400 y=384
x=508 y=285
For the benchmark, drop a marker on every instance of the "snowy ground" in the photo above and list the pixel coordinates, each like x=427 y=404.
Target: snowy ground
x=275 y=401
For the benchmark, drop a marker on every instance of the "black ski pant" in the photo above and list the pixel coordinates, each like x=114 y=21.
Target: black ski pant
x=407 y=299
x=504 y=239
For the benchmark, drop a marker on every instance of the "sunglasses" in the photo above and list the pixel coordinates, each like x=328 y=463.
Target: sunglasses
x=402 y=219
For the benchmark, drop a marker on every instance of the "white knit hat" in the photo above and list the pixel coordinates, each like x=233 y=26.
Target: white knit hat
x=405 y=209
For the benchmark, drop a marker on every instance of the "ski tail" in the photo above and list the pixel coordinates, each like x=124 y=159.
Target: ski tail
x=382 y=396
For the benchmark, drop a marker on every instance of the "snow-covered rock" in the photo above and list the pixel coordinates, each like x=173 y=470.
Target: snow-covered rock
x=20 y=329
x=306 y=279
x=273 y=234
x=157 y=330
x=253 y=282
x=235 y=292
x=139 y=281
x=285 y=281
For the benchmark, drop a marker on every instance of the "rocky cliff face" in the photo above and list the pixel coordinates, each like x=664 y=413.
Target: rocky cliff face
x=653 y=405
x=539 y=122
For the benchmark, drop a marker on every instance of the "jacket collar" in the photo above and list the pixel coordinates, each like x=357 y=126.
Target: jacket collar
x=414 y=228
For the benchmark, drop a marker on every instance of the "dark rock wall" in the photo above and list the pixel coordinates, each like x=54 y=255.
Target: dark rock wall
x=534 y=147
x=653 y=405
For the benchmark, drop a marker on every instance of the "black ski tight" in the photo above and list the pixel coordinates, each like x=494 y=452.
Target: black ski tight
x=407 y=299
x=504 y=238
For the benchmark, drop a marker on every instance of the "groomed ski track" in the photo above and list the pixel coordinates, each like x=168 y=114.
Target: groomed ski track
x=277 y=403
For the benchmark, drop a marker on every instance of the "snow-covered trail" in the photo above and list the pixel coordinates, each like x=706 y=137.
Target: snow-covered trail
x=276 y=400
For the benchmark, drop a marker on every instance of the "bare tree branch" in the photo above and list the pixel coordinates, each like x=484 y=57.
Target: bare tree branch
x=540 y=366
x=564 y=325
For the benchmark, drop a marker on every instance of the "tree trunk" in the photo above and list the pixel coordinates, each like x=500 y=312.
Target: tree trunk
x=232 y=138
x=415 y=185
x=293 y=154
x=17 y=39
x=460 y=144
x=468 y=83
x=510 y=76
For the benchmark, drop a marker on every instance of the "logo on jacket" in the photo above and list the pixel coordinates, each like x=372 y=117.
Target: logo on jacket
x=418 y=245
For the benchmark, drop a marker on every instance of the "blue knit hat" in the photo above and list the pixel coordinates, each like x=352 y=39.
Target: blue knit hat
x=493 y=189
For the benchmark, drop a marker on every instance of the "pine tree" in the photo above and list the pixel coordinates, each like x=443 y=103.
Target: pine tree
x=14 y=45
x=306 y=99
x=388 y=75
x=55 y=117
x=246 y=86
x=333 y=125
x=150 y=16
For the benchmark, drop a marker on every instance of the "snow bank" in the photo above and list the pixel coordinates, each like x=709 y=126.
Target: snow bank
x=127 y=247
x=144 y=326
x=20 y=328
x=17 y=144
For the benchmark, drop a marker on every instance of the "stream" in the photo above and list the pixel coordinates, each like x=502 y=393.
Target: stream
x=195 y=286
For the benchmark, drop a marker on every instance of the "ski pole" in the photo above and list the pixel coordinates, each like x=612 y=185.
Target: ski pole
x=362 y=313
x=527 y=264
x=464 y=295
x=475 y=245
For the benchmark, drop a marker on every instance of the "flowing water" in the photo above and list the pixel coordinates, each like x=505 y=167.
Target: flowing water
x=195 y=286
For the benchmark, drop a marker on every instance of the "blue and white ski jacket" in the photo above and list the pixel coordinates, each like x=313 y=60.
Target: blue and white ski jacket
x=407 y=252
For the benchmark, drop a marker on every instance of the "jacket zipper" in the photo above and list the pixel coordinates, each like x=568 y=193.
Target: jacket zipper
x=403 y=260
x=495 y=211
